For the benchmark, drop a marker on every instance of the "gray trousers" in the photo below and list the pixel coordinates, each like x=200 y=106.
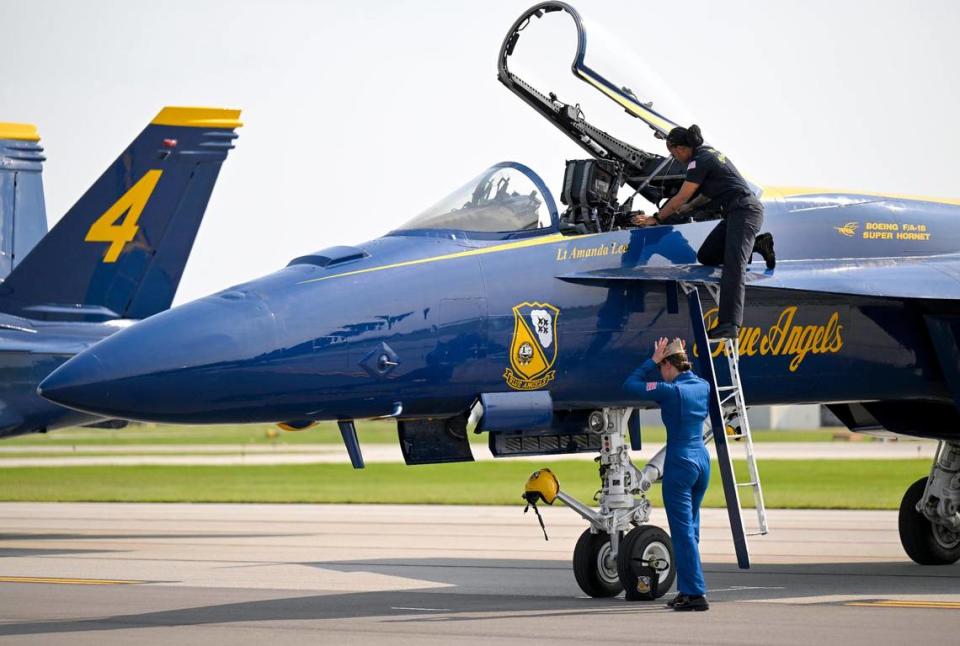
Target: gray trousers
x=731 y=244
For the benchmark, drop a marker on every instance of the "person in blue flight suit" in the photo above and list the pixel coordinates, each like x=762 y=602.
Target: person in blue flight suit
x=734 y=240
x=667 y=379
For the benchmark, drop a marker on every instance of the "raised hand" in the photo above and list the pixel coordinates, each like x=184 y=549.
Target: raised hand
x=659 y=348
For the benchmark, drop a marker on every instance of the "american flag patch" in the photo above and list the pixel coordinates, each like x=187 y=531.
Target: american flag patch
x=651 y=385
x=692 y=165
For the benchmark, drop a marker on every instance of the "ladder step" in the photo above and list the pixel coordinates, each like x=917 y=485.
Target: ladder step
x=731 y=401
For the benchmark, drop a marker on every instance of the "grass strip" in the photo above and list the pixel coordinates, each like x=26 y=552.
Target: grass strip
x=370 y=432
x=792 y=484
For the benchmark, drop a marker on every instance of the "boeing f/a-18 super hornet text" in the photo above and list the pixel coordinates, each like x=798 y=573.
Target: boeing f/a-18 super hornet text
x=115 y=257
x=496 y=308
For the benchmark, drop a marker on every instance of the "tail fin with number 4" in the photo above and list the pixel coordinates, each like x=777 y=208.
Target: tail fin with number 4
x=121 y=250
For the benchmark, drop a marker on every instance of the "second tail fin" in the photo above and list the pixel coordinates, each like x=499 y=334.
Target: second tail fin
x=23 y=216
x=120 y=251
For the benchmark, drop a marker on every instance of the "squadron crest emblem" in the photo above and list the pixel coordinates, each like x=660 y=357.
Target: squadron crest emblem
x=534 y=346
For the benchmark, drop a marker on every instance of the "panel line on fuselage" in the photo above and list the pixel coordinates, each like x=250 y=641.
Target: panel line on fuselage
x=521 y=244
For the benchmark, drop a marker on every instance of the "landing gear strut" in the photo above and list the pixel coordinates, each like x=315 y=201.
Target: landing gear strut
x=930 y=511
x=619 y=551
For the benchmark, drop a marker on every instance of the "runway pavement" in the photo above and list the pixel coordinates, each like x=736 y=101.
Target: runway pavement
x=258 y=454
x=362 y=574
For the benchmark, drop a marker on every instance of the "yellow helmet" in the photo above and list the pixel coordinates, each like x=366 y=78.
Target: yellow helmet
x=541 y=485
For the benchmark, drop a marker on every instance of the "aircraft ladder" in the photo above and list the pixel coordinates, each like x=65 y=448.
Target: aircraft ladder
x=728 y=421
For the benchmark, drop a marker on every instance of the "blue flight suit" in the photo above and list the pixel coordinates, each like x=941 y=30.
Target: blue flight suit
x=684 y=405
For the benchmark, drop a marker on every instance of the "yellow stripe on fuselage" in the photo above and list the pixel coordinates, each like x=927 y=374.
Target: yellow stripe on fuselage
x=520 y=244
x=769 y=193
x=19 y=131
x=198 y=117
x=782 y=192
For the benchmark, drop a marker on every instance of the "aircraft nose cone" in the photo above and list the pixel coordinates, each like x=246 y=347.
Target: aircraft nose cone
x=168 y=366
x=70 y=384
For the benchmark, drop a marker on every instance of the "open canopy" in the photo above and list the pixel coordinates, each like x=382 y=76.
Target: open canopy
x=538 y=70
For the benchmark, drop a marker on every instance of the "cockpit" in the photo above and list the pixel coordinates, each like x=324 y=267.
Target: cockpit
x=506 y=200
x=599 y=192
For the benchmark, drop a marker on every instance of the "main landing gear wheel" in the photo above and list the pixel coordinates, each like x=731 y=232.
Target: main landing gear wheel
x=645 y=563
x=594 y=566
x=925 y=542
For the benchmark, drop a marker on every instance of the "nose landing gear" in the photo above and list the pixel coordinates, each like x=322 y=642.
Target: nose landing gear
x=929 y=520
x=619 y=551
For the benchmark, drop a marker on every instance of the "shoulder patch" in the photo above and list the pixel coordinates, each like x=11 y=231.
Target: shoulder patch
x=651 y=385
x=692 y=165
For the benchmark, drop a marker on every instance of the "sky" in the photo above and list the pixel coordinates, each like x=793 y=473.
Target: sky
x=359 y=115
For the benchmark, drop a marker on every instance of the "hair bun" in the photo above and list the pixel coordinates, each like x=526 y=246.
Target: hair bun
x=694 y=137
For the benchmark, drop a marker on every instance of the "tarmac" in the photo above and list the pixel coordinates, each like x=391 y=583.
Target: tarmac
x=363 y=574
x=259 y=454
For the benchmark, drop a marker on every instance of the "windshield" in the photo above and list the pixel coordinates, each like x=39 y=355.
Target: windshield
x=505 y=198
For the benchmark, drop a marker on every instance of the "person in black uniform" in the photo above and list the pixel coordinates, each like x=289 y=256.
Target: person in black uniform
x=734 y=239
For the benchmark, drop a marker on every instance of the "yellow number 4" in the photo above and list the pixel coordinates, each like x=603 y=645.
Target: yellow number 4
x=131 y=203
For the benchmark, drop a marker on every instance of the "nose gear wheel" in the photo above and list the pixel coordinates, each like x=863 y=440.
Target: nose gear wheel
x=923 y=541
x=645 y=563
x=595 y=565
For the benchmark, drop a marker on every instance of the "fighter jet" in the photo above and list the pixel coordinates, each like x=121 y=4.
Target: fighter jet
x=115 y=257
x=497 y=307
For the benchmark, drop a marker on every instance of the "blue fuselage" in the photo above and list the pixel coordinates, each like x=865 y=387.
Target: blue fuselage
x=304 y=343
x=29 y=351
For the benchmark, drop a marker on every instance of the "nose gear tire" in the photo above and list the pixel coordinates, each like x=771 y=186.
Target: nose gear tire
x=923 y=542
x=650 y=550
x=594 y=568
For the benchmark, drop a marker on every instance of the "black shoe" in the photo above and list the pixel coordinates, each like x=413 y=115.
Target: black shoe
x=724 y=331
x=673 y=602
x=763 y=245
x=697 y=603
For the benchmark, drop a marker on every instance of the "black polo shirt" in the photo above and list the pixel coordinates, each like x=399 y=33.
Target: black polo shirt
x=718 y=178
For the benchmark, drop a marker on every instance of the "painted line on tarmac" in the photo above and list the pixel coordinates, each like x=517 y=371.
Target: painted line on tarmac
x=64 y=581
x=895 y=603
x=862 y=599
